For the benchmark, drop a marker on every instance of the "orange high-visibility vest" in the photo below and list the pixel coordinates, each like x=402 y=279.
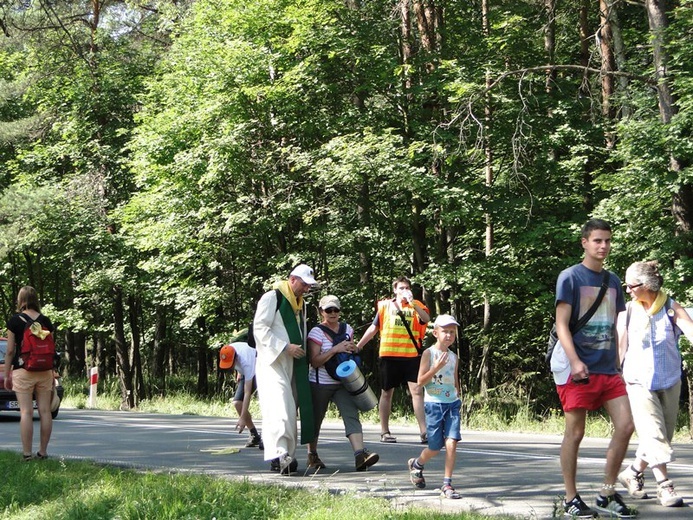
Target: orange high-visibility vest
x=394 y=338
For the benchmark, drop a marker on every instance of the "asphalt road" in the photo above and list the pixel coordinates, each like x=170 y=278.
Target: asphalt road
x=497 y=473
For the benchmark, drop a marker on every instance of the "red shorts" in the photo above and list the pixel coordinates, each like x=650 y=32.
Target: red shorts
x=592 y=396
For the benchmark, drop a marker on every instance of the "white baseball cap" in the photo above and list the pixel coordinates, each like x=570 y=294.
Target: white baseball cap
x=305 y=273
x=445 y=320
x=560 y=365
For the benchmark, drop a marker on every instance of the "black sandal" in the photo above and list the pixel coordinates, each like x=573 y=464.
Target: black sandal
x=41 y=456
x=27 y=458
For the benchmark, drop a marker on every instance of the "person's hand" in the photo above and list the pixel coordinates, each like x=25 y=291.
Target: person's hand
x=579 y=371
x=8 y=381
x=442 y=360
x=240 y=425
x=295 y=351
x=345 y=346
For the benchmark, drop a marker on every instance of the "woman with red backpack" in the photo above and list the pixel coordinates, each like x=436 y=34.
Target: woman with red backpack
x=29 y=363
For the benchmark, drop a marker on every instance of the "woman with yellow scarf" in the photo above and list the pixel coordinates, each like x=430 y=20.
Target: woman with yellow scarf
x=648 y=334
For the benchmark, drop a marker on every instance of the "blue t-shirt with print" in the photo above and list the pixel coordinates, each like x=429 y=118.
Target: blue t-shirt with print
x=595 y=343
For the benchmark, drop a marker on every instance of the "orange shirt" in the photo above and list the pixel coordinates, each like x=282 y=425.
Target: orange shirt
x=394 y=338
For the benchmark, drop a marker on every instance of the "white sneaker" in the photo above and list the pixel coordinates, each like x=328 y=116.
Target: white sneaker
x=633 y=482
x=667 y=496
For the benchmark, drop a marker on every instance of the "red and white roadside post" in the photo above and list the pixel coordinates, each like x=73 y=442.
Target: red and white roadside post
x=93 y=380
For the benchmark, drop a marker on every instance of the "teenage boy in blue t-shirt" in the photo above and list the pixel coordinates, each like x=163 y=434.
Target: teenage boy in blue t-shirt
x=590 y=375
x=438 y=377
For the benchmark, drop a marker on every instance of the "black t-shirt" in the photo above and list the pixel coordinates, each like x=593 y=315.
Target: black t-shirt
x=16 y=325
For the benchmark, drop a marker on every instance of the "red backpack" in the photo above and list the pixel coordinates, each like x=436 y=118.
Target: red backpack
x=38 y=346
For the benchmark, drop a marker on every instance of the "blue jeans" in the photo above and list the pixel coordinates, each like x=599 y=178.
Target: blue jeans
x=442 y=422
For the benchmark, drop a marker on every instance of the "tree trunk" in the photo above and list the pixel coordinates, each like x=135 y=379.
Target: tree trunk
x=620 y=58
x=550 y=43
x=202 y=371
x=418 y=228
x=608 y=66
x=658 y=22
x=585 y=32
x=485 y=368
x=75 y=353
x=122 y=361
x=160 y=349
x=406 y=56
x=99 y=356
x=428 y=20
x=682 y=204
x=608 y=63
x=134 y=313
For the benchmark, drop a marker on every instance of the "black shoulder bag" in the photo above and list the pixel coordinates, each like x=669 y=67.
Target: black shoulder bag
x=553 y=336
x=417 y=344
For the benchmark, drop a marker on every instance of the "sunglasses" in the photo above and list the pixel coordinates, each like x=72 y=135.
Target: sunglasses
x=331 y=310
x=633 y=286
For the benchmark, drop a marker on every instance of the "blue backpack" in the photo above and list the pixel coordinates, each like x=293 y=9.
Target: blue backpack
x=337 y=359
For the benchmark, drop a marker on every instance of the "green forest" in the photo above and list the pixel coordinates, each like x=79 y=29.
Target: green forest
x=163 y=162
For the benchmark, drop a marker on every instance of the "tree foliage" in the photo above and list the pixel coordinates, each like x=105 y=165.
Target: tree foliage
x=162 y=165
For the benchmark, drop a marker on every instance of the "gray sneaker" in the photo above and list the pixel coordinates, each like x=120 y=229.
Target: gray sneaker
x=667 y=496
x=285 y=464
x=613 y=506
x=633 y=482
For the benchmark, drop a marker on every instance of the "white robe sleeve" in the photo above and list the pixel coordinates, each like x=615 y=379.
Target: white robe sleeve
x=270 y=334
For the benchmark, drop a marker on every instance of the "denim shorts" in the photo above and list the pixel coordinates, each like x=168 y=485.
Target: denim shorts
x=240 y=389
x=442 y=422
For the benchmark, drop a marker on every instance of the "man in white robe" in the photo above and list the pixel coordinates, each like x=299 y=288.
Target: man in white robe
x=280 y=334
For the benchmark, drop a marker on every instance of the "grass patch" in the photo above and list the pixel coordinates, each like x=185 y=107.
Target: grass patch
x=63 y=489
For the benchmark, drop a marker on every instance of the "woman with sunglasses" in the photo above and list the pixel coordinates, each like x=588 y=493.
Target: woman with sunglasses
x=648 y=335
x=325 y=341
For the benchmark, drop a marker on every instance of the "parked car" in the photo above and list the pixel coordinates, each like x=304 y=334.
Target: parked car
x=8 y=399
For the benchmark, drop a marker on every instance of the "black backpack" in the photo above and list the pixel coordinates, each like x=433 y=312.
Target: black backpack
x=337 y=359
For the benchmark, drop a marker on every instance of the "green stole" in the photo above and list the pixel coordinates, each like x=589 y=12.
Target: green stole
x=305 y=401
